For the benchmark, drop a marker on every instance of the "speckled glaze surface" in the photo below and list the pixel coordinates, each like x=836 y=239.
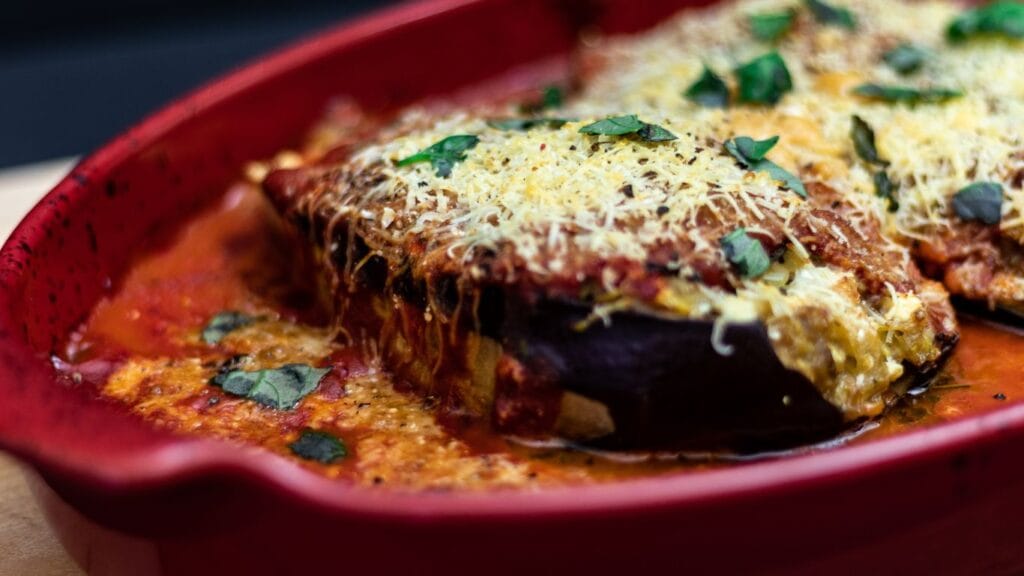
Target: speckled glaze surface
x=127 y=499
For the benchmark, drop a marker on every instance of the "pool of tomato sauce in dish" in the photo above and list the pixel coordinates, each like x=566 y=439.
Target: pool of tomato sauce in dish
x=141 y=346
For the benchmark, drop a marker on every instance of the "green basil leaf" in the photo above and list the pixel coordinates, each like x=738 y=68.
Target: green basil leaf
x=764 y=80
x=748 y=150
x=629 y=124
x=745 y=253
x=319 y=447
x=552 y=97
x=905 y=94
x=709 y=90
x=524 y=124
x=981 y=201
x=751 y=154
x=279 y=388
x=885 y=188
x=788 y=179
x=655 y=133
x=864 y=142
x=444 y=154
x=614 y=126
x=770 y=26
x=829 y=14
x=1003 y=18
x=223 y=323
x=905 y=58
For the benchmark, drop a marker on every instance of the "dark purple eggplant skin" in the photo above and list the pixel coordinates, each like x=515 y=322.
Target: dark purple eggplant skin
x=1004 y=316
x=666 y=387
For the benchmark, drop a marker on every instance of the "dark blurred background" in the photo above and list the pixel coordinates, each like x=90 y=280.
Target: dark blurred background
x=73 y=74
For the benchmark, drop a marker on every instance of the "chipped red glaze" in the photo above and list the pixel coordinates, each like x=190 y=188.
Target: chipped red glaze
x=943 y=499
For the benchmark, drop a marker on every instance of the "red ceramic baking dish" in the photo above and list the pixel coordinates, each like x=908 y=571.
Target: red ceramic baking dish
x=129 y=499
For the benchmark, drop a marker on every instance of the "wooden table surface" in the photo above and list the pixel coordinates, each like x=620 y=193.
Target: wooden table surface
x=27 y=547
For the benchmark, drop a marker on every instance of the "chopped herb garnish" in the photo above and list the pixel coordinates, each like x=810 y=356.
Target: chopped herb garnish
x=655 y=133
x=770 y=26
x=223 y=323
x=279 y=388
x=629 y=124
x=751 y=154
x=829 y=14
x=318 y=446
x=905 y=58
x=764 y=80
x=1003 y=18
x=749 y=150
x=551 y=97
x=709 y=90
x=864 y=142
x=782 y=175
x=982 y=201
x=905 y=94
x=885 y=188
x=444 y=154
x=524 y=124
x=746 y=253
x=614 y=126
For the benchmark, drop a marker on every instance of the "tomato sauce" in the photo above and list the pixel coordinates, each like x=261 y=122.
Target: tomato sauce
x=142 y=346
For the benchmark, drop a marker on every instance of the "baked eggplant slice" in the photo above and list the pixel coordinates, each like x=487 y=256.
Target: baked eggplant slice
x=622 y=281
x=665 y=386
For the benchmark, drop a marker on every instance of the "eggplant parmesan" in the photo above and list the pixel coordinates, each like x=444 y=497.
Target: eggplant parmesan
x=707 y=245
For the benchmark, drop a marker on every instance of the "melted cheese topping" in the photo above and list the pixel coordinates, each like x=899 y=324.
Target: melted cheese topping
x=935 y=149
x=555 y=194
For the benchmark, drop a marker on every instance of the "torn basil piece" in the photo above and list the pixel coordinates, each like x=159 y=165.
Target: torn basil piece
x=751 y=155
x=444 y=154
x=319 y=447
x=905 y=94
x=551 y=97
x=749 y=150
x=764 y=79
x=709 y=90
x=224 y=323
x=614 y=126
x=788 y=179
x=655 y=133
x=770 y=26
x=864 y=142
x=905 y=58
x=885 y=188
x=524 y=124
x=279 y=388
x=625 y=125
x=829 y=14
x=1003 y=18
x=745 y=253
x=982 y=201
